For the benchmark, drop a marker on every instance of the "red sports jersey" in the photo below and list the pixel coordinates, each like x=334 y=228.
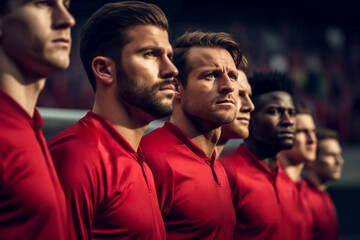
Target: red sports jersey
x=298 y=217
x=32 y=203
x=193 y=191
x=256 y=193
x=268 y=204
x=109 y=188
x=323 y=210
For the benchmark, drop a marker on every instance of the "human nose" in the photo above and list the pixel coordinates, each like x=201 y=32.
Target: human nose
x=168 y=69
x=226 y=85
x=246 y=104
x=62 y=18
x=287 y=118
x=311 y=137
x=339 y=160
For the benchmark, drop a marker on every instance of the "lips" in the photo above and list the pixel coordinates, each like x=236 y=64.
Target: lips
x=168 y=87
x=290 y=134
x=62 y=41
x=225 y=101
x=243 y=120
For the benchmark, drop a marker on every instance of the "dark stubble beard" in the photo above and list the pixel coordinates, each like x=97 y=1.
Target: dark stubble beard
x=144 y=97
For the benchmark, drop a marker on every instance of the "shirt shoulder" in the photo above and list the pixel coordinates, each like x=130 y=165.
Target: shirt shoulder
x=234 y=162
x=75 y=153
x=161 y=144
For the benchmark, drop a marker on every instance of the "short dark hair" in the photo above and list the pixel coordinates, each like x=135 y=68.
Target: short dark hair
x=204 y=39
x=323 y=134
x=326 y=133
x=105 y=32
x=301 y=107
x=265 y=82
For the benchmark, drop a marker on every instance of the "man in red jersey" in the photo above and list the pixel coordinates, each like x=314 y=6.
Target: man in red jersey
x=256 y=180
x=239 y=128
x=110 y=191
x=35 y=41
x=192 y=186
x=318 y=174
x=293 y=161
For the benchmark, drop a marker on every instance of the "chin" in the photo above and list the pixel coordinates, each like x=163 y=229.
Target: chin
x=285 y=145
x=336 y=177
x=223 y=119
x=243 y=134
x=59 y=65
x=310 y=159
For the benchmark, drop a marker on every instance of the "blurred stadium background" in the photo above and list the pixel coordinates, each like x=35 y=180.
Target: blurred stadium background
x=316 y=43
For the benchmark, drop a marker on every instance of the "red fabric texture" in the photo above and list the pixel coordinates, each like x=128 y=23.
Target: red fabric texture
x=324 y=214
x=32 y=203
x=109 y=188
x=268 y=204
x=298 y=216
x=193 y=190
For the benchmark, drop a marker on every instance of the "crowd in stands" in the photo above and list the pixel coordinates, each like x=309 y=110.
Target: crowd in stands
x=324 y=61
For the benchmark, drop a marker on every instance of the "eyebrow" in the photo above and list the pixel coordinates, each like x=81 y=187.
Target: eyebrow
x=278 y=106
x=155 y=49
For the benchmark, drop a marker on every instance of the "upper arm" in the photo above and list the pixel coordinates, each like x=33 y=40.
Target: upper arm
x=80 y=180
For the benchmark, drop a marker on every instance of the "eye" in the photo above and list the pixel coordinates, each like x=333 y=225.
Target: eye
x=292 y=113
x=273 y=111
x=170 y=55
x=67 y=4
x=210 y=76
x=149 y=54
x=233 y=76
x=298 y=131
x=42 y=3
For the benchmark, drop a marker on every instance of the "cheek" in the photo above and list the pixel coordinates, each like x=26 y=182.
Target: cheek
x=327 y=164
x=196 y=93
x=138 y=69
x=191 y=99
x=265 y=125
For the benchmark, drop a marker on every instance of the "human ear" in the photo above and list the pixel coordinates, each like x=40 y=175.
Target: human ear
x=179 y=89
x=104 y=70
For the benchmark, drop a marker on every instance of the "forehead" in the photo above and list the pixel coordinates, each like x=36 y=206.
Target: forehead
x=329 y=145
x=15 y=3
x=278 y=98
x=202 y=57
x=243 y=82
x=148 y=35
x=304 y=121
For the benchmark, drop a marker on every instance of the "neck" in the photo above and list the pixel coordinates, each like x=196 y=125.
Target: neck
x=271 y=163
x=313 y=178
x=25 y=92
x=24 y=87
x=292 y=170
x=266 y=154
x=129 y=121
x=201 y=134
x=220 y=146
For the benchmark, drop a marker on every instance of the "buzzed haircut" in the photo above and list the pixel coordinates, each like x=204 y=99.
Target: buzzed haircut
x=323 y=134
x=265 y=82
x=326 y=133
x=301 y=107
x=204 y=39
x=105 y=32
